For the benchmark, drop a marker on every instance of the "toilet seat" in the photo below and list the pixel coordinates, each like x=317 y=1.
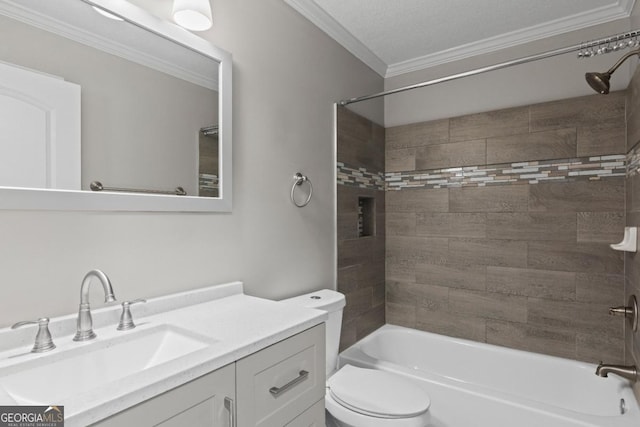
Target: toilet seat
x=376 y=393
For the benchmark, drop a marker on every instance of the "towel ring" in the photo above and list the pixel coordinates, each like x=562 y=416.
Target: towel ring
x=299 y=179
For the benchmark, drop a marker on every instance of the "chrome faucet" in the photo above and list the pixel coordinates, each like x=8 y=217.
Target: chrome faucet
x=628 y=372
x=85 y=322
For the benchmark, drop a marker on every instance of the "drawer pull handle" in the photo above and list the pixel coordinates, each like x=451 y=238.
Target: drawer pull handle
x=277 y=391
x=229 y=405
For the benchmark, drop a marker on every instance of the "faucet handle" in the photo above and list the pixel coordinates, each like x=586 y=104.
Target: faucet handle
x=126 y=320
x=630 y=312
x=43 y=337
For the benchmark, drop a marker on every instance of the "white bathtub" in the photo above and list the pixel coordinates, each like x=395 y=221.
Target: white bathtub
x=481 y=385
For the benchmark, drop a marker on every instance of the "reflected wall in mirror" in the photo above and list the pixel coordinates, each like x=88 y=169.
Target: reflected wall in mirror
x=155 y=102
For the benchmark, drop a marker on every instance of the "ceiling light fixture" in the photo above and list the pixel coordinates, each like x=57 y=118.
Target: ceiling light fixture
x=193 y=15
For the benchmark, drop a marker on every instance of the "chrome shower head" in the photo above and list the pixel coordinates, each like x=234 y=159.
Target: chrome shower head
x=600 y=82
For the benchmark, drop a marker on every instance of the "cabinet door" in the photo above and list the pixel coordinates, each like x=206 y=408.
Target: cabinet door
x=277 y=384
x=204 y=402
x=312 y=417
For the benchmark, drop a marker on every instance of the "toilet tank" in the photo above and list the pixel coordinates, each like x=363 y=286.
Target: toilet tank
x=333 y=302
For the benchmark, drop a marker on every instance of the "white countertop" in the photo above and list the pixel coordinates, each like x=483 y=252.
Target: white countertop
x=237 y=324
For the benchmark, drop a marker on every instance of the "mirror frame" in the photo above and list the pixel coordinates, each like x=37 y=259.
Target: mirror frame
x=75 y=200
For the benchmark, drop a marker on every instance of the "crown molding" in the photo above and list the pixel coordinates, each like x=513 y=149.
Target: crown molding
x=314 y=13
x=87 y=38
x=321 y=19
x=526 y=35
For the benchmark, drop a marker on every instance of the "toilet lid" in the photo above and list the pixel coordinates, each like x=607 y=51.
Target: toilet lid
x=377 y=393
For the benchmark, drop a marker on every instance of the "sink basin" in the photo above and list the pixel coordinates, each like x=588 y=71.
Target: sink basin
x=97 y=363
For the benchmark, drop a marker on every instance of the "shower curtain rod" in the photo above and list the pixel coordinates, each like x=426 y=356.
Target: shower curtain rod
x=524 y=60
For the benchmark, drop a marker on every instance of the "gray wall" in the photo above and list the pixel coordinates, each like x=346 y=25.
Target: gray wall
x=550 y=79
x=287 y=75
x=524 y=263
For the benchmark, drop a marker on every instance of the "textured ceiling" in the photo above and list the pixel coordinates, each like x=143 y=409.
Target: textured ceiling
x=411 y=34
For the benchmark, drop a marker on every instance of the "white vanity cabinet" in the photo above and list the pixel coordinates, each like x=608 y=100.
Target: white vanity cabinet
x=203 y=402
x=280 y=385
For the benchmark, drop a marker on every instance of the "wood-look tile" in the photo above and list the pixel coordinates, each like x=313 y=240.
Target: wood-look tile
x=511 y=121
x=451 y=324
x=575 y=112
x=532 y=283
x=403 y=292
x=453 y=154
x=347 y=334
x=379 y=293
x=371 y=271
x=400 y=160
x=401 y=224
x=356 y=143
x=531 y=226
x=573 y=316
x=633 y=111
x=452 y=275
x=418 y=134
x=605 y=195
x=348 y=278
x=602 y=139
x=438 y=224
x=504 y=253
x=403 y=253
x=360 y=251
x=418 y=200
x=347 y=225
x=633 y=188
x=407 y=293
x=554 y=144
x=600 y=227
x=580 y=257
x=370 y=321
x=401 y=314
x=595 y=348
x=348 y=198
x=507 y=198
x=605 y=289
x=358 y=303
x=488 y=305
x=531 y=338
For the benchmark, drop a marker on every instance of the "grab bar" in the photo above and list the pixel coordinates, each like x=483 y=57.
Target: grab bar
x=97 y=186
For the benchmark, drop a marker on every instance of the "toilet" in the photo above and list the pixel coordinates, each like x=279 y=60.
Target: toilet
x=360 y=397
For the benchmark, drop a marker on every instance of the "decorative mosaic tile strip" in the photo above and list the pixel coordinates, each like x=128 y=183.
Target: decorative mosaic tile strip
x=633 y=161
x=589 y=168
x=208 y=181
x=360 y=177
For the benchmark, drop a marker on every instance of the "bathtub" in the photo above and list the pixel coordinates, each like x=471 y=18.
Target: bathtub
x=481 y=385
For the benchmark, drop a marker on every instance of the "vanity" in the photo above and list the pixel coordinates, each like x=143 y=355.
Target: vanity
x=208 y=357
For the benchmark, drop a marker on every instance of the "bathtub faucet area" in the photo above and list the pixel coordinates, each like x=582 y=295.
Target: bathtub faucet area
x=628 y=372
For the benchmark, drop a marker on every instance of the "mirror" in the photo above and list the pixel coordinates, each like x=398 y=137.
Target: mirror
x=155 y=108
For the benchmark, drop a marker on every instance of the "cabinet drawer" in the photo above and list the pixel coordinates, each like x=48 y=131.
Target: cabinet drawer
x=277 y=384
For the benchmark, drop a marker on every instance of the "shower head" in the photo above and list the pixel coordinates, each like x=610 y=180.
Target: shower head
x=600 y=81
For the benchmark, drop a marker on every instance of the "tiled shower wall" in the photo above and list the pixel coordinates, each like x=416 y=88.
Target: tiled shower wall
x=482 y=245
x=632 y=260
x=361 y=266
